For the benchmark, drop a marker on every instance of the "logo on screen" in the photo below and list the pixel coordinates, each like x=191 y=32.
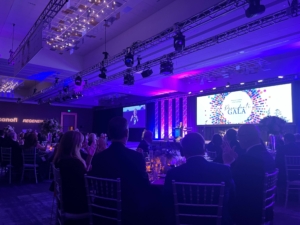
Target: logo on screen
x=237 y=107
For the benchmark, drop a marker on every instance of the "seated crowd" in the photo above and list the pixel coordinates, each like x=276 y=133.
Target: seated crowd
x=241 y=162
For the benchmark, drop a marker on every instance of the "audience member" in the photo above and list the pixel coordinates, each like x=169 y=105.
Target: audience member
x=72 y=169
x=146 y=141
x=31 y=141
x=120 y=162
x=216 y=146
x=248 y=173
x=231 y=135
x=290 y=148
x=16 y=151
x=91 y=149
x=197 y=170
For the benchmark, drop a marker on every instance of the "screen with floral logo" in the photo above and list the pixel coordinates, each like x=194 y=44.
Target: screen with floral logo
x=246 y=106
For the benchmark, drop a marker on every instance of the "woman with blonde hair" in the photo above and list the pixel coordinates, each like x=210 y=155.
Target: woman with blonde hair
x=72 y=169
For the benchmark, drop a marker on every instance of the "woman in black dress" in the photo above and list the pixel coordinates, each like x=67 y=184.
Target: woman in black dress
x=72 y=170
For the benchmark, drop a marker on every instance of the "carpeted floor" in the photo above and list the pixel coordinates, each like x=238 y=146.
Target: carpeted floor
x=31 y=204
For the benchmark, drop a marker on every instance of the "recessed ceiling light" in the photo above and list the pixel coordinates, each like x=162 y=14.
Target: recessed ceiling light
x=259 y=81
x=242 y=83
x=227 y=86
x=201 y=91
x=214 y=88
x=280 y=77
x=190 y=92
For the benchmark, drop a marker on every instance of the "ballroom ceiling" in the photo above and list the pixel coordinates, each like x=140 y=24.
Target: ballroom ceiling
x=213 y=58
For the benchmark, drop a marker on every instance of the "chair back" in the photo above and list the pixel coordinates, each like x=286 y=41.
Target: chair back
x=269 y=193
x=292 y=167
x=6 y=156
x=104 y=199
x=29 y=156
x=198 y=201
x=58 y=195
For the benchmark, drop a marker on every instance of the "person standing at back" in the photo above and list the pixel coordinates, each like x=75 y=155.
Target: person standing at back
x=231 y=136
x=248 y=172
x=117 y=161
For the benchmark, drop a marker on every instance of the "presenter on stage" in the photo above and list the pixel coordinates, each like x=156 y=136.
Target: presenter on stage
x=134 y=118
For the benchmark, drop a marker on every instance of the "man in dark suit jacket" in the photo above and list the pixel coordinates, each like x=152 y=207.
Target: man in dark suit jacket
x=146 y=141
x=248 y=173
x=290 y=148
x=120 y=162
x=197 y=170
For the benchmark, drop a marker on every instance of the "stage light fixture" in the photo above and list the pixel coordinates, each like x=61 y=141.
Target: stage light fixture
x=179 y=41
x=259 y=81
x=242 y=83
x=147 y=72
x=56 y=80
x=254 y=9
x=102 y=74
x=78 y=81
x=166 y=67
x=66 y=88
x=214 y=88
x=129 y=57
x=228 y=85
x=34 y=90
x=280 y=77
x=128 y=79
x=19 y=100
x=201 y=91
x=190 y=92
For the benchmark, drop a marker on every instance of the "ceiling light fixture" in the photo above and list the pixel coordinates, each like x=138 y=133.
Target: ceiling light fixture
x=147 y=72
x=255 y=8
x=179 y=41
x=128 y=78
x=201 y=91
x=166 y=67
x=102 y=74
x=78 y=81
x=214 y=88
x=280 y=77
x=129 y=57
x=259 y=81
x=242 y=83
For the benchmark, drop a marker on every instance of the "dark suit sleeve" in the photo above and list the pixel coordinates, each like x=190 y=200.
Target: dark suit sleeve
x=142 y=168
x=168 y=198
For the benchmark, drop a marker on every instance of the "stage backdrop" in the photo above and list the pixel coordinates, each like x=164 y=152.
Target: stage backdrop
x=103 y=116
x=27 y=115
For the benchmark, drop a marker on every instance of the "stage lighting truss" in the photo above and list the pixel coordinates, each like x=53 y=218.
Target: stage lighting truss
x=128 y=78
x=252 y=66
x=203 y=17
x=239 y=31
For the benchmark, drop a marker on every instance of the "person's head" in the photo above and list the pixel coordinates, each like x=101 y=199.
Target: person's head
x=118 y=129
x=92 y=138
x=193 y=144
x=148 y=136
x=217 y=139
x=69 y=146
x=289 y=138
x=31 y=140
x=1 y=133
x=248 y=136
x=12 y=135
x=297 y=137
x=231 y=135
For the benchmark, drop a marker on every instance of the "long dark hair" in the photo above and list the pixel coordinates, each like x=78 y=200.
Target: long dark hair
x=30 y=140
x=68 y=145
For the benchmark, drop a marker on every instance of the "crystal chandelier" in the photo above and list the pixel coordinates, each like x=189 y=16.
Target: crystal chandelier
x=79 y=18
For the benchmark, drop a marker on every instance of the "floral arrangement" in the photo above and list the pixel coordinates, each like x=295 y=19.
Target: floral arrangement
x=273 y=124
x=50 y=126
